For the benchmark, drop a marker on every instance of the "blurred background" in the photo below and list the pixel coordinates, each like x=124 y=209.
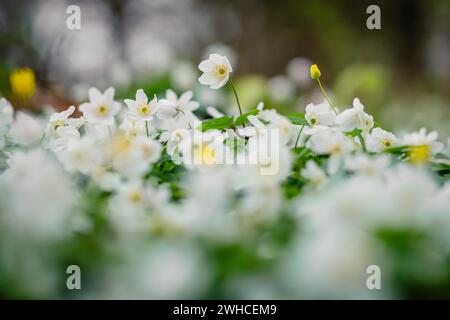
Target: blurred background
x=401 y=72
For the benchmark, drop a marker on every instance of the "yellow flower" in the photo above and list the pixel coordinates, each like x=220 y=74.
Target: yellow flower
x=315 y=72
x=23 y=82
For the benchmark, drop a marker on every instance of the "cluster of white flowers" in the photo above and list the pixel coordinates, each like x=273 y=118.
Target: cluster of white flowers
x=308 y=194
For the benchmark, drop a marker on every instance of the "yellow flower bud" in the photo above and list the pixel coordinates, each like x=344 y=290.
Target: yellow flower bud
x=315 y=72
x=23 y=82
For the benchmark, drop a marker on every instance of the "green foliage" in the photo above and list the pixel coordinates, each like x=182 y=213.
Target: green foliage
x=221 y=123
x=298 y=119
x=243 y=119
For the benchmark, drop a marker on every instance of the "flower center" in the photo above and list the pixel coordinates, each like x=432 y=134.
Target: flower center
x=386 y=143
x=144 y=109
x=58 y=123
x=220 y=70
x=135 y=197
x=336 y=149
x=419 y=154
x=102 y=110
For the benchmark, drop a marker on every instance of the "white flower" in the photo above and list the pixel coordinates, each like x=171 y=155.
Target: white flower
x=37 y=197
x=320 y=114
x=106 y=180
x=141 y=108
x=134 y=128
x=355 y=118
x=421 y=138
x=151 y=150
x=175 y=134
x=26 y=129
x=314 y=174
x=101 y=108
x=127 y=157
x=6 y=115
x=172 y=106
x=80 y=155
x=216 y=71
x=378 y=140
x=65 y=134
x=366 y=165
x=203 y=148
x=279 y=122
x=330 y=141
x=60 y=120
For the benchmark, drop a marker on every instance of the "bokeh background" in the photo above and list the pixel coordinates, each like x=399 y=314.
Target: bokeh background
x=401 y=72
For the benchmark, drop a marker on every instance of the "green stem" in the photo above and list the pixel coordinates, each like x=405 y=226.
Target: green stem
x=326 y=96
x=237 y=98
x=298 y=137
x=363 y=143
x=146 y=128
x=109 y=131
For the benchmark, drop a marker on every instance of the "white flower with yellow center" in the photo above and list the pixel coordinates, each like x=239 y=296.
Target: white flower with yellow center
x=354 y=118
x=203 y=149
x=216 y=71
x=422 y=138
x=378 y=140
x=177 y=107
x=141 y=108
x=320 y=114
x=133 y=128
x=60 y=120
x=101 y=108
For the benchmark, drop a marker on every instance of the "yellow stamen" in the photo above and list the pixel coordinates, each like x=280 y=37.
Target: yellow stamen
x=220 y=70
x=419 y=154
x=102 y=110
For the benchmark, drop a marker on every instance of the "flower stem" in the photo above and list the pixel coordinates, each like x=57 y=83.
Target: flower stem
x=298 y=137
x=237 y=98
x=109 y=131
x=363 y=143
x=146 y=128
x=326 y=96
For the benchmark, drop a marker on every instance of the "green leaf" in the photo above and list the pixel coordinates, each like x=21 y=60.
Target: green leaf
x=221 y=123
x=397 y=150
x=298 y=119
x=354 y=133
x=242 y=119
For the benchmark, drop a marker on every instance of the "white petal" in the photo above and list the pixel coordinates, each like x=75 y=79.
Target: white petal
x=220 y=84
x=171 y=95
x=95 y=96
x=206 y=79
x=141 y=97
x=131 y=104
x=206 y=66
x=185 y=97
x=109 y=94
